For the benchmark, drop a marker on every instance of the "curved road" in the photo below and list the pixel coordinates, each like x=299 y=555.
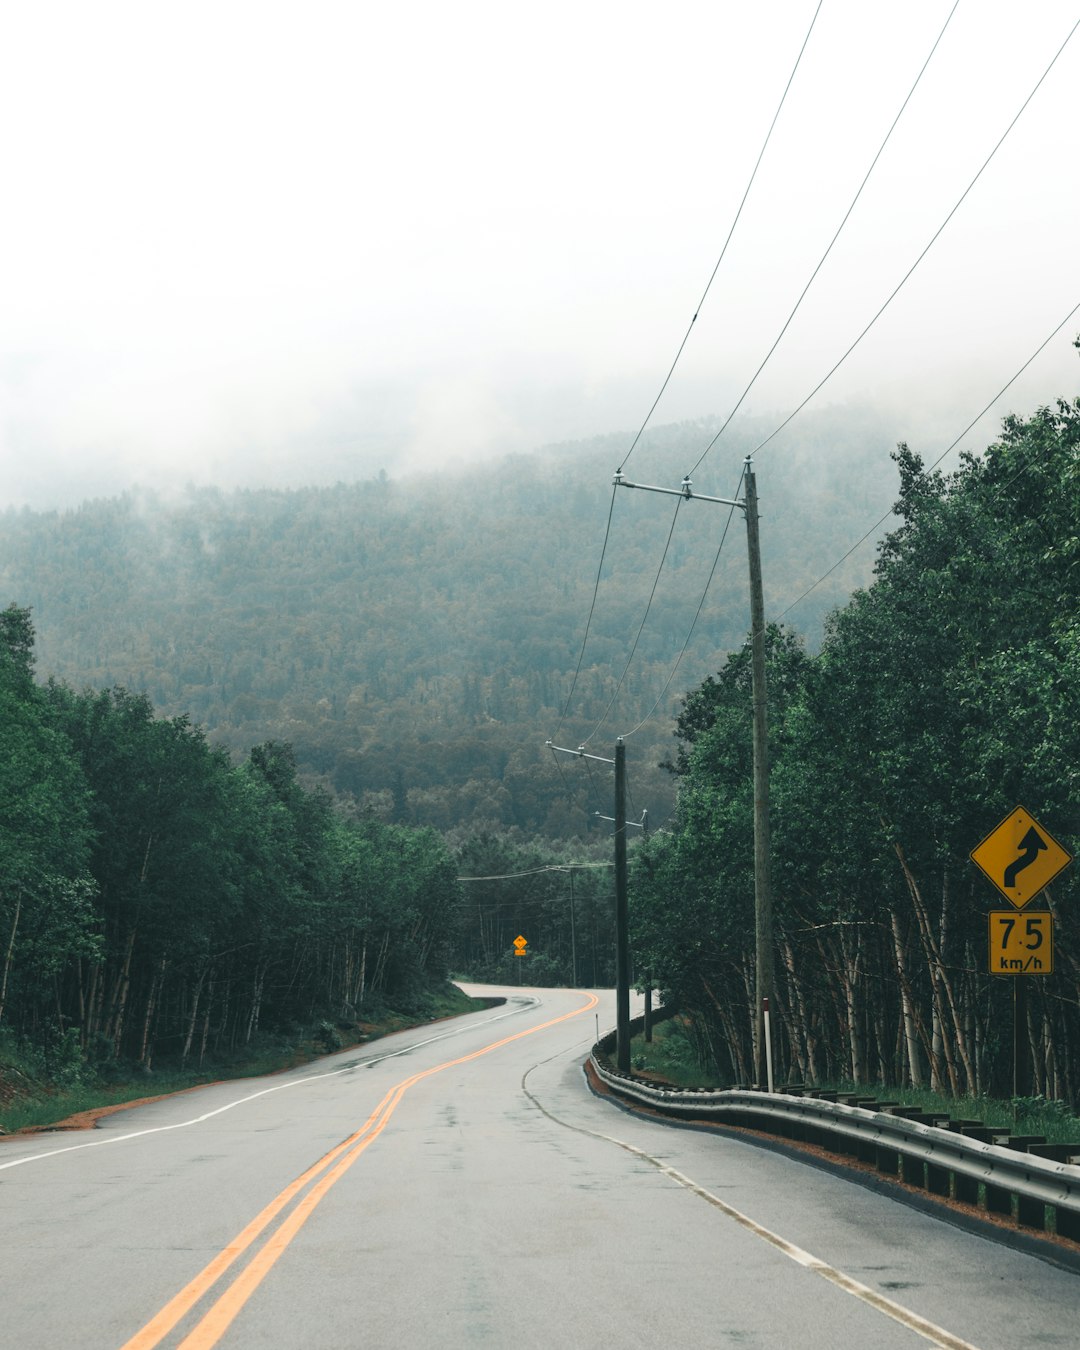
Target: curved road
x=456 y=1186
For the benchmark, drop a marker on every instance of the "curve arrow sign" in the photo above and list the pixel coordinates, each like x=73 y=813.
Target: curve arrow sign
x=1031 y=846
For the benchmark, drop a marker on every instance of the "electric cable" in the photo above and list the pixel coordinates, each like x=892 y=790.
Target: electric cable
x=727 y=241
x=952 y=446
x=597 y=799
x=535 y=871
x=779 y=337
x=903 y=280
x=641 y=626
x=558 y=766
x=828 y=375
x=678 y=354
x=832 y=241
x=690 y=633
x=588 y=621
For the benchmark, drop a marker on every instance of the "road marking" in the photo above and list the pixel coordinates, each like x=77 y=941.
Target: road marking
x=264 y=1092
x=930 y=1331
x=329 y=1170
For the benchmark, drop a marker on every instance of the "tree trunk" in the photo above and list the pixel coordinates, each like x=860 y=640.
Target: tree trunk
x=10 y=957
x=945 y=1035
x=123 y=986
x=256 y=1002
x=849 y=976
x=145 y=1051
x=911 y=1039
x=194 y=1014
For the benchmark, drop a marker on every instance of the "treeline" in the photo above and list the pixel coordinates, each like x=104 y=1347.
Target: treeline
x=943 y=696
x=415 y=640
x=158 y=900
x=559 y=897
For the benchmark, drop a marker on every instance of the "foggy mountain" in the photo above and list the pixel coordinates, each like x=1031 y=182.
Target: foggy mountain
x=416 y=640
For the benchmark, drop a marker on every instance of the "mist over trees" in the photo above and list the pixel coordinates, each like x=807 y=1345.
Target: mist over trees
x=406 y=648
x=416 y=642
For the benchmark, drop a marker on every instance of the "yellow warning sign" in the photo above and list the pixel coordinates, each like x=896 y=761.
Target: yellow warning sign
x=1021 y=944
x=520 y=944
x=1020 y=857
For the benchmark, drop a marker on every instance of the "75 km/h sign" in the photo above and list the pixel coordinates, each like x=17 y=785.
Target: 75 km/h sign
x=1021 y=944
x=1020 y=857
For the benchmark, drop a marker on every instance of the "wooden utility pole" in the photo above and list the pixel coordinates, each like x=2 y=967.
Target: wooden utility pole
x=573 y=934
x=763 y=919
x=622 y=917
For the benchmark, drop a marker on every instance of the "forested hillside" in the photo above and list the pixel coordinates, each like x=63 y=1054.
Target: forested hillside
x=943 y=696
x=415 y=641
x=157 y=899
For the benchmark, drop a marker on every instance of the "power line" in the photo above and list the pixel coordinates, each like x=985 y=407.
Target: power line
x=727 y=241
x=592 y=611
x=641 y=627
x=690 y=633
x=828 y=375
x=832 y=241
x=678 y=354
x=903 y=280
x=952 y=446
x=767 y=357
x=536 y=871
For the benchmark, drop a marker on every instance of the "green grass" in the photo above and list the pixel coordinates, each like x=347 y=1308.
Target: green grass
x=1022 y=1115
x=671 y=1055
x=28 y=1098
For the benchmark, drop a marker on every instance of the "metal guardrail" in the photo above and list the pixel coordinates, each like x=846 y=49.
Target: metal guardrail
x=941 y=1161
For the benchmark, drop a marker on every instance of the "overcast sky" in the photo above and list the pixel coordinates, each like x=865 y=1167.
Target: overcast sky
x=259 y=243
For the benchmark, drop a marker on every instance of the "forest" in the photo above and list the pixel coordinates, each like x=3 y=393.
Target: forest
x=396 y=655
x=416 y=641
x=159 y=900
x=943 y=696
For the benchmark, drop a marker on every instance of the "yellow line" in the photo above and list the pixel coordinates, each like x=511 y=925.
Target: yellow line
x=220 y=1316
x=160 y=1325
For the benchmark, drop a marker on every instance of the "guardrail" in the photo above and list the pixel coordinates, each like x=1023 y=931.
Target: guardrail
x=961 y=1160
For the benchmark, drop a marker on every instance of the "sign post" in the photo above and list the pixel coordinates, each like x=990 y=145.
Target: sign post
x=1020 y=858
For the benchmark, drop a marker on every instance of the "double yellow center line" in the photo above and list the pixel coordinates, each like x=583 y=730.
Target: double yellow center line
x=324 y=1174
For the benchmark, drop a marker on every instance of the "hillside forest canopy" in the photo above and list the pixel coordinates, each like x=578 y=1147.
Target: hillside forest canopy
x=415 y=642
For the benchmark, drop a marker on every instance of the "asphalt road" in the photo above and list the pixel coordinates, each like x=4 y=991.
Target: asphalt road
x=457 y=1186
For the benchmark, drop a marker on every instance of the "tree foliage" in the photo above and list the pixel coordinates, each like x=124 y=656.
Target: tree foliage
x=415 y=641
x=942 y=696
x=158 y=899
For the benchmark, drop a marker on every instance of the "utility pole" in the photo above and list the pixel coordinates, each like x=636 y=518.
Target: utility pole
x=622 y=920
x=573 y=933
x=763 y=918
x=763 y=922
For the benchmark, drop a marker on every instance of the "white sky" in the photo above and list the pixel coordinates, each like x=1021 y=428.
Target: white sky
x=256 y=243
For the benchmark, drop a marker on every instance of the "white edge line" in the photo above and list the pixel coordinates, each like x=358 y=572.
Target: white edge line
x=922 y=1326
x=279 y=1087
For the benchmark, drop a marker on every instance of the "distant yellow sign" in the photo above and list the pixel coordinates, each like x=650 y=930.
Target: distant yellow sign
x=1020 y=857
x=1021 y=944
x=520 y=944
